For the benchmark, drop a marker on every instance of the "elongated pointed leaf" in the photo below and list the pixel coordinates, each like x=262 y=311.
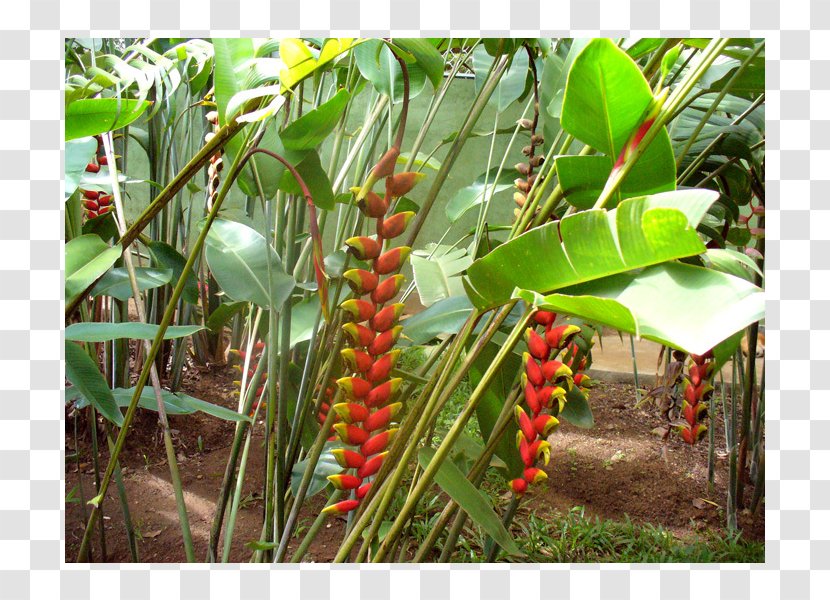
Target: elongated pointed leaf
x=309 y=131
x=326 y=465
x=167 y=257
x=427 y=57
x=84 y=375
x=438 y=276
x=577 y=411
x=444 y=317
x=116 y=282
x=105 y=332
x=590 y=245
x=214 y=410
x=477 y=192
x=238 y=258
x=457 y=487
x=97 y=115
x=87 y=258
x=228 y=75
x=314 y=175
x=510 y=86
x=686 y=307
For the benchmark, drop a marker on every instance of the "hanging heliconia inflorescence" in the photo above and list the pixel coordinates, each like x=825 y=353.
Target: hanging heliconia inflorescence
x=215 y=166
x=525 y=183
x=256 y=356
x=96 y=203
x=372 y=332
x=546 y=382
x=697 y=390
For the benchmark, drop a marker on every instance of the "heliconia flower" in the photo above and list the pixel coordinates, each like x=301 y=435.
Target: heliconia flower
x=386 y=165
x=531 y=396
x=352 y=412
x=701 y=358
x=378 y=442
x=581 y=380
x=550 y=393
x=359 y=334
x=387 y=317
x=355 y=388
x=689 y=393
x=348 y=459
x=519 y=486
x=381 y=417
x=364 y=248
x=544 y=317
x=92 y=168
x=363 y=490
x=536 y=344
x=382 y=367
x=341 y=508
x=692 y=435
x=104 y=200
x=361 y=281
x=559 y=337
x=351 y=434
x=383 y=393
x=90 y=204
x=384 y=341
x=533 y=475
x=545 y=424
x=102 y=160
x=357 y=360
x=400 y=184
x=525 y=424
x=531 y=451
x=553 y=370
x=360 y=310
x=343 y=481
x=372 y=205
x=395 y=225
x=90 y=194
x=387 y=289
x=391 y=260
x=371 y=466
x=532 y=370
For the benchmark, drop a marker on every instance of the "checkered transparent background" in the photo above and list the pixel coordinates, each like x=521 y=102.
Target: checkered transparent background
x=798 y=325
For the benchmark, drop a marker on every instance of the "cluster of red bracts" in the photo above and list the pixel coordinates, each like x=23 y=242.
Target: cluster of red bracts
x=256 y=355
x=546 y=381
x=697 y=389
x=372 y=332
x=96 y=203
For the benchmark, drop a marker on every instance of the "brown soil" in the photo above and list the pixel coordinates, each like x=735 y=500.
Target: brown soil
x=617 y=468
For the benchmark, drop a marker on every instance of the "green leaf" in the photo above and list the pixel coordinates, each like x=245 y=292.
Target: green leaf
x=444 y=317
x=377 y=63
x=577 y=411
x=429 y=59
x=238 y=258
x=457 y=487
x=512 y=83
x=732 y=262
x=421 y=160
x=173 y=404
x=224 y=313
x=309 y=131
x=326 y=465
x=105 y=332
x=315 y=177
x=84 y=375
x=98 y=115
x=116 y=282
x=231 y=56
x=303 y=316
x=436 y=271
x=590 y=245
x=214 y=410
x=167 y=257
x=682 y=306
x=476 y=193
x=606 y=97
x=87 y=258
x=78 y=154
x=490 y=406
x=300 y=61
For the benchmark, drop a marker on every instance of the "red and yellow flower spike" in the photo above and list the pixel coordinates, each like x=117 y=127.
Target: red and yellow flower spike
x=697 y=390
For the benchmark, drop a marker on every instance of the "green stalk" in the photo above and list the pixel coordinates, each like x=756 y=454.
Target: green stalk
x=446 y=445
x=93 y=432
x=490 y=547
x=125 y=505
x=166 y=319
x=237 y=496
x=298 y=555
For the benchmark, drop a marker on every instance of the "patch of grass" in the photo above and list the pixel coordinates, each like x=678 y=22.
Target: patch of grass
x=576 y=538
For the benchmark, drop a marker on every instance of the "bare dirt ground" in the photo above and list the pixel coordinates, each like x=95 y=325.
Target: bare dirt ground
x=617 y=468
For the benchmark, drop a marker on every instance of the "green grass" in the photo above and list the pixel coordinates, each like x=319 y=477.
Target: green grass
x=576 y=538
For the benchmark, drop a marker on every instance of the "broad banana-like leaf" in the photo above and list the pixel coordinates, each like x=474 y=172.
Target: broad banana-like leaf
x=683 y=306
x=438 y=276
x=591 y=245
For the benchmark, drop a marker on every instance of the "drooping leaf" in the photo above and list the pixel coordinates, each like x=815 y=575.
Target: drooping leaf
x=92 y=116
x=426 y=55
x=326 y=465
x=300 y=60
x=231 y=57
x=167 y=257
x=314 y=176
x=682 y=306
x=84 y=375
x=477 y=192
x=732 y=262
x=437 y=270
x=512 y=83
x=78 y=154
x=116 y=282
x=377 y=63
x=444 y=317
x=239 y=257
x=214 y=410
x=87 y=258
x=457 y=487
x=577 y=411
x=590 y=245
x=105 y=332
x=224 y=313
x=309 y=131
